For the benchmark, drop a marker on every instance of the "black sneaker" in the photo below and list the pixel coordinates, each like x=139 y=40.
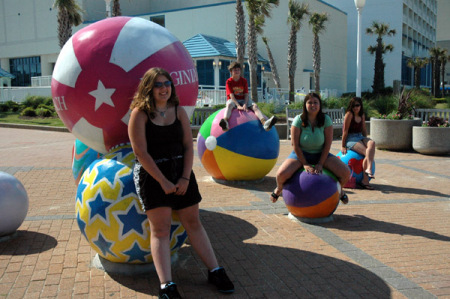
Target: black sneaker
x=270 y=123
x=220 y=279
x=169 y=292
x=223 y=124
x=344 y=199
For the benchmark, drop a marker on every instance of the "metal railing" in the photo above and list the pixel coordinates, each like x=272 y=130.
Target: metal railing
x=208 y=95
x=41 y=81
x=19 y=94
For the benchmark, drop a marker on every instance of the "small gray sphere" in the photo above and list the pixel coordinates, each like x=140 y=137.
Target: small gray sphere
x=13 y=204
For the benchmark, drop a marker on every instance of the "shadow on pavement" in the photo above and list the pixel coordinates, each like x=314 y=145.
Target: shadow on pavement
x=262 y=270
x=27 y=242
x=363 y=223
x=406 y=190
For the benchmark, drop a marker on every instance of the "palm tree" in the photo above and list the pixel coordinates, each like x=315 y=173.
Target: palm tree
x=296 y=14
x=240 y=32
x=69 y=14
x=435 y=53
x=276 y=77
x=443 y=59
x=417 y=63
x=317 y=21
x=257 y=11
x=379 y=29
x=116 y=9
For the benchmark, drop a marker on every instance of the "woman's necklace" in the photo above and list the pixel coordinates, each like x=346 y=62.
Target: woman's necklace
x=162 y=113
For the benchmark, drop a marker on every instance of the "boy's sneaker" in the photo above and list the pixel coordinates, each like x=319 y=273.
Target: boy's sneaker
x=344 y=198
x=223 y=124
x=169 y=292
x=220 y=279
x=270 y=123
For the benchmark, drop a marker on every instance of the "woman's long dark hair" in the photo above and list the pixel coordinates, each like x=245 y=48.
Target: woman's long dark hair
x=352 y=103
x=143 y=99
x=320 y=115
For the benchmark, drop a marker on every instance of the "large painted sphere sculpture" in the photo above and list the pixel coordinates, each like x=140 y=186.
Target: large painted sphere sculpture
x=110 y=215
x=355 y=161
x=82 y=157
x=99 y=69
x=13 y=204
x=245 y=152
x=309 y=195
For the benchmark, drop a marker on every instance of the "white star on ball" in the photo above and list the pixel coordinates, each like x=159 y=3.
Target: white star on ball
x=102 y=95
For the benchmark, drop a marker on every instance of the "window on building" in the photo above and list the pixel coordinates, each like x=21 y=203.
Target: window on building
x=24 y=69
x=205 y=72
x=160 y=20
x=406 y=72
x=224 y=73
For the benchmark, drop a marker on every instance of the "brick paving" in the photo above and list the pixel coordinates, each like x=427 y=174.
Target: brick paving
x=393 y=242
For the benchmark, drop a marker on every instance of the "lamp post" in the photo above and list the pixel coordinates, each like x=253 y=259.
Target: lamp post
x=359 y=7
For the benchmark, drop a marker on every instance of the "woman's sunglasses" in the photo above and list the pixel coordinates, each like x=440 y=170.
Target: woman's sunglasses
x=357 y=105
x=160 y=84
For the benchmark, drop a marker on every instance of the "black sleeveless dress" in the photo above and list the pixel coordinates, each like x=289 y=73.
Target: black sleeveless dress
x=165 y=146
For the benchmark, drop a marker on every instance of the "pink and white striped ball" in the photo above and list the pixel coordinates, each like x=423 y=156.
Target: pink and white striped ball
x=99 y=69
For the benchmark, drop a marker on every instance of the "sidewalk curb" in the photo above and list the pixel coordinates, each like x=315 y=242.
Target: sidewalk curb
x=34 y=127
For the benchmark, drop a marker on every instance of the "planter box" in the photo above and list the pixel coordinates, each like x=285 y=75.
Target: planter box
x=431 y=140
x=393 y=134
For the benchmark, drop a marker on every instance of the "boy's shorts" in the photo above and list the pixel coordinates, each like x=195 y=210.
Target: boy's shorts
x=241 y=102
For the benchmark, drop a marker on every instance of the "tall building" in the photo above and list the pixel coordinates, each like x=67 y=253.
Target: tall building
x=415 y=23
x=29 y=45
x=443 y=32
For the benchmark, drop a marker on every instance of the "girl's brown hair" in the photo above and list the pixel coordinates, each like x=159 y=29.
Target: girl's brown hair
x=320 y=115
x=143 y=99
x=352 y=103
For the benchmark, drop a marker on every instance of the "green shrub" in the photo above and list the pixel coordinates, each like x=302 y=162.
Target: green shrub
x=28 y=111
x=35 y=101
x=268 y=109
x=4 y=107
x=298 y=105
x=43 y=112
x=383 y=104
x=422 y=99
x=335 y=103
x=218 y=107
x=440 y=100
x=48 y=107
x=48 y=102
x=13 y=106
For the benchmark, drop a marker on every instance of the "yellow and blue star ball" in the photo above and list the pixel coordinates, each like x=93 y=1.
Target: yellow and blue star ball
x=109 y=213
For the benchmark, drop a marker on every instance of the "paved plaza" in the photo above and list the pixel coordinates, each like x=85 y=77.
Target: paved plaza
x=393 y=242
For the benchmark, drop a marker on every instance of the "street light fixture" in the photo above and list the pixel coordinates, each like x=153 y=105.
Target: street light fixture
x=359 y=7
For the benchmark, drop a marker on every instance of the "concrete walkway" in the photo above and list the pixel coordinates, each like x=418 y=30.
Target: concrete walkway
x=393 y=242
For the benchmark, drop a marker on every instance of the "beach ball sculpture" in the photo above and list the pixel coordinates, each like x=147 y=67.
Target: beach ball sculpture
x=355 y=161
x=94 y=81
x=109 y=213
x=99 y=69
x=82 y=157
x=309 y=195
x=245 y=152
x=13 y=204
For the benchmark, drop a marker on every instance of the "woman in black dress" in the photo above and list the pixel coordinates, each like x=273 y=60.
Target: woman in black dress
x=161 y=138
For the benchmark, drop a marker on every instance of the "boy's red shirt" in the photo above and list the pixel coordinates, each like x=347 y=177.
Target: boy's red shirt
x=239 y=88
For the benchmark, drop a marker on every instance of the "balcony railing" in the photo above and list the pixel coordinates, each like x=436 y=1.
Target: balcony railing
x=41 y=81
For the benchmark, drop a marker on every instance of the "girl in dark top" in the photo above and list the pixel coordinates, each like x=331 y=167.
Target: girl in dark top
x=161 y=138
x=354 y=137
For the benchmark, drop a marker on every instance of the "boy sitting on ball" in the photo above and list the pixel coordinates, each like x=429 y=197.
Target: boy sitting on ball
x=237 y=97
